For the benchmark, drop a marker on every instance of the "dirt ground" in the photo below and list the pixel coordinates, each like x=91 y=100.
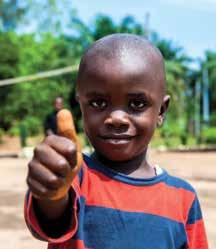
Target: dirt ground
x=197 y=168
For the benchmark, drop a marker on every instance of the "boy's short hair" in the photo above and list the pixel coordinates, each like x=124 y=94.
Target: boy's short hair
x=123 y=46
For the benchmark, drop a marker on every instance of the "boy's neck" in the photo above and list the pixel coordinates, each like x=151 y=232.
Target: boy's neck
x=136 y=167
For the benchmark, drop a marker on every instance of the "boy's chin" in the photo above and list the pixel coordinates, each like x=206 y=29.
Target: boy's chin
x=117 y=156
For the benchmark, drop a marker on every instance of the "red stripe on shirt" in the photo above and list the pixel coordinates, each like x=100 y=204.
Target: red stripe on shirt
x=109 y=193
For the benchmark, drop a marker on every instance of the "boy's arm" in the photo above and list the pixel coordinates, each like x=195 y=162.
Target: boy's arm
x=195 y=228
x=51 y=175
x=47 y=228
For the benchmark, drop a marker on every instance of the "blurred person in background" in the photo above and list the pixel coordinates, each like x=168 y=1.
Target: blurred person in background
x=50 y=125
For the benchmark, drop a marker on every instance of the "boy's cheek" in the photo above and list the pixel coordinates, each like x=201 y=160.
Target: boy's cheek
x=146 y=132
x=90 y=118
x=146 y=125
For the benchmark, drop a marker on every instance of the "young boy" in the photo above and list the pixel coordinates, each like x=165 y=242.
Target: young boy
x=117 y=200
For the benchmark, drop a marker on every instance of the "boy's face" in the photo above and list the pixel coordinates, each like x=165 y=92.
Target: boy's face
x=121 y=103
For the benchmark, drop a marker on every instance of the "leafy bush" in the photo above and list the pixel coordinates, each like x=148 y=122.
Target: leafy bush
x=172 y=129
x=1 y=135
x=31 y=126
x=14 y=131
x=213 y=119
x=209 y=135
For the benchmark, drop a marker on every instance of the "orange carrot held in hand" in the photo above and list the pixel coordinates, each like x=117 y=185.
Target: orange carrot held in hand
x=66 y=128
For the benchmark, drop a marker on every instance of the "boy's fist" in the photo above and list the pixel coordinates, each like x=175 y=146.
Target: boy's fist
x=56 y=161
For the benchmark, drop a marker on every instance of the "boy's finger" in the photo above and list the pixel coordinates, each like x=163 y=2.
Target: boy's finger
x=48 y=157
x=44 y=176
x=63 y=146
x=38 y=190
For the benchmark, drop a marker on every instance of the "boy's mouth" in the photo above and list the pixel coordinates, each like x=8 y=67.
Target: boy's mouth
x=117 y=139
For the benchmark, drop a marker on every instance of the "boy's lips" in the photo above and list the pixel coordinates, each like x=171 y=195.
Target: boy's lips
x=117 y=139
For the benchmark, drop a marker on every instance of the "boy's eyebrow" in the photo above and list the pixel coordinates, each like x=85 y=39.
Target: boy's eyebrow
x=93 y=94
x=130 y=95
x=139 y=95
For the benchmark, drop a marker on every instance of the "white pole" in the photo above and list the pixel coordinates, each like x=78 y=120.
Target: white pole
x=37 y=76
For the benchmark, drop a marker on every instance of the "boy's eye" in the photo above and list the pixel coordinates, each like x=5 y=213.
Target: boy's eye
x=137 y=104
x=99 y=103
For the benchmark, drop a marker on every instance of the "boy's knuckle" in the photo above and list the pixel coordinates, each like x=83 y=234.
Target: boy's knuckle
x=71 y=148
x=51 y=139
x=43 y=191
x=53 y=181
x=38 y=149
x=48 y=139
x=32 y=167
x=63 y=167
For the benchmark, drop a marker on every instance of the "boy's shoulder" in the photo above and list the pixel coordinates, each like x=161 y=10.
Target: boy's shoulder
x=178 y=182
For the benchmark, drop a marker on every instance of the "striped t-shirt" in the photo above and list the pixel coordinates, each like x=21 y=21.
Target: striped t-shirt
x=115 y=211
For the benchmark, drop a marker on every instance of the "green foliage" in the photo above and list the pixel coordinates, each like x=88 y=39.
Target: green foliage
x=210 y=64
x=174 y=128
x=103 y=25
x=27 y=104
x=9 y=61
x=130 y=25
x=9 y=55
x=31 y=126
x=169 y=50
x=209 y=135
x=14 y=131
x=1 y=135
x=213 y=119
x=30 y=56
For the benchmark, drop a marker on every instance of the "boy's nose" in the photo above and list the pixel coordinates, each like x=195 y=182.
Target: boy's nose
x=117 y=120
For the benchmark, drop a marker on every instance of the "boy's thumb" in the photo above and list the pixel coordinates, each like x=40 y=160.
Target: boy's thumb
x=66 y=128
x=65 y=125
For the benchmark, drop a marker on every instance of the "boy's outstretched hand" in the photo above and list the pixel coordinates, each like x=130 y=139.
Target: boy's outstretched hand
x=55 y=163
x=52 y=162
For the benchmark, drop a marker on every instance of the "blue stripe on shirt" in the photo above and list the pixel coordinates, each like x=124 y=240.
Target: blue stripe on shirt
x=195 y=212
x=106 y=228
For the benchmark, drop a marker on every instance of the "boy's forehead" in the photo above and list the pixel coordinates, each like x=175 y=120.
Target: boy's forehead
x=115 y=56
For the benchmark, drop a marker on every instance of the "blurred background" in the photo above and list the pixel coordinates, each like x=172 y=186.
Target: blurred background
x=41 y=43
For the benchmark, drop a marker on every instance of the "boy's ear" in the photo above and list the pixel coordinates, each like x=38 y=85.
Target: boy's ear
x=163 y=109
